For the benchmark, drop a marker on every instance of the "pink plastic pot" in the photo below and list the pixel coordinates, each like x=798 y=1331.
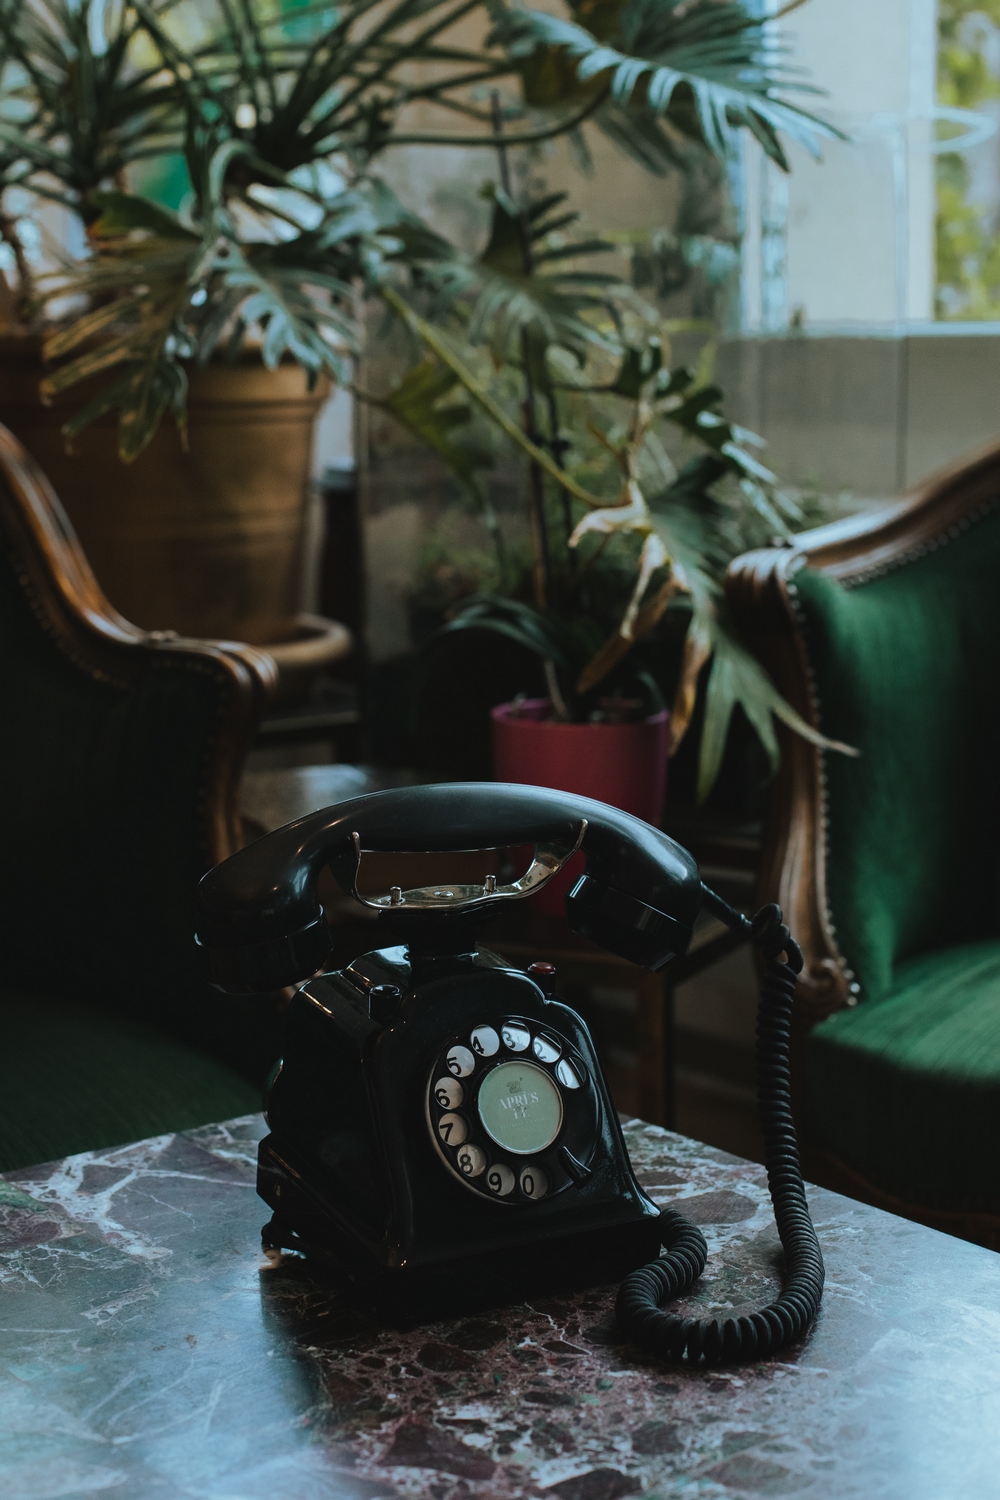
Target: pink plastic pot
x=621 y=764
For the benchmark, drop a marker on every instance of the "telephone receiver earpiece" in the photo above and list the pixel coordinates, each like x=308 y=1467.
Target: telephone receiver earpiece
x=262 y=925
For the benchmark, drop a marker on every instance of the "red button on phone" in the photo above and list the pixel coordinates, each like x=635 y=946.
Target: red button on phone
x=544 y=976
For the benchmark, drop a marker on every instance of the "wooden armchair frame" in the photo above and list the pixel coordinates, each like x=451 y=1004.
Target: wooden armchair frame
x=71 y=608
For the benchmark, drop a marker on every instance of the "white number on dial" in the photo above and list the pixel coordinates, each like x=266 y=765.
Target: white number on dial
x=545 y=1049
x=452 y=1129
x=460 y=1062
x=471 y=1161
x=515 y=1038
x=485 y=1041
x=534 y=1183
x=567 y=1075
x=449 y=1093
x=500 y=1180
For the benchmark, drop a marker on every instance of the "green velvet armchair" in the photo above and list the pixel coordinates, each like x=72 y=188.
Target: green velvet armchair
x=120 y=755
x=885 y=633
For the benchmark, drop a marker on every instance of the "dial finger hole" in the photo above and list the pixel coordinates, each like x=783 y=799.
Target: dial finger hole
x=534 y=1183
x=500 y=1180
x=546 y=1049
x=516 y=1038
x=471 y=1161
x=567 y=1075
x=449 y=1093
x=452 y=1129
x=460 y=1062
x=485 y=1041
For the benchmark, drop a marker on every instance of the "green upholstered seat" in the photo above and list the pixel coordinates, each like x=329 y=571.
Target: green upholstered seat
x=75 y=1078
x=119 y=759
x=905 y=1088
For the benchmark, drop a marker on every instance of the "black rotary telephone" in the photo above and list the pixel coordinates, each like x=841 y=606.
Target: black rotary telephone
x=441 y=1129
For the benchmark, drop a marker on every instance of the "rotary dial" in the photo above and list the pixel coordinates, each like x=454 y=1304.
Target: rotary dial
x=512 y=1111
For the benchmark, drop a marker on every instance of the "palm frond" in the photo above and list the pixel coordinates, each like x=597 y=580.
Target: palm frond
x=542 y=633
x=709 y=68
x=167 y=294
x=89 y=106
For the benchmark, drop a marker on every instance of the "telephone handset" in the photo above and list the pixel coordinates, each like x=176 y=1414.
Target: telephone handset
x=441 y=1128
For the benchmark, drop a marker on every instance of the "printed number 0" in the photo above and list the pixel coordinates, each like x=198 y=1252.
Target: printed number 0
x=534 y=1183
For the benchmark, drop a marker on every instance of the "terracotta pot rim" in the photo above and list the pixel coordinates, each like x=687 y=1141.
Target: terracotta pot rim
x=315 y=642
x=505 y=713
x=30 y=342
x=24 y=338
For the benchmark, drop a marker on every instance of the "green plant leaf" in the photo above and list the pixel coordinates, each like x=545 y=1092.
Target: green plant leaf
x=110 y=398
x=501 y=303
x=88 y=107
x=637 y=368
x=95 y=362
x=481 y=394
x=736 y=677
x=154 y=388
x=122 y=212
x=709 y=67
x=87 y=327
x=543 y=634
x=423 y=403
x=643 y=138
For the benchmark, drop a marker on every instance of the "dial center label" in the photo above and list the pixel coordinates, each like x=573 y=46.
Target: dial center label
x=520 y=1107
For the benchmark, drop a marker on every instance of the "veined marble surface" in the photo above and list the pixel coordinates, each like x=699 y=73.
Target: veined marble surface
x=149 y=1350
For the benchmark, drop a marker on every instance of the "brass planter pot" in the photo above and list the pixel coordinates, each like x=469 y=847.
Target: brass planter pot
x=207 y=542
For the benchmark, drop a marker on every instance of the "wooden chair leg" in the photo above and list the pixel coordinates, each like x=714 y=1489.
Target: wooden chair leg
x=655 y=1062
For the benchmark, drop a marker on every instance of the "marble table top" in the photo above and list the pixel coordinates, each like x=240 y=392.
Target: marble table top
x=148 y=1349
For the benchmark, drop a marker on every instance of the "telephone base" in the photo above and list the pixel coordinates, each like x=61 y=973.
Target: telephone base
x=469 y=1283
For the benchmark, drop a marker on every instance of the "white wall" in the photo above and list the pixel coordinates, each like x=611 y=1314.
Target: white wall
x=858 y=230
x=871 y=414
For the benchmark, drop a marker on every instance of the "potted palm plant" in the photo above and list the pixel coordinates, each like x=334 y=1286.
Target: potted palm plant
x=640 y=491
x=231 y=314
x=636 y=525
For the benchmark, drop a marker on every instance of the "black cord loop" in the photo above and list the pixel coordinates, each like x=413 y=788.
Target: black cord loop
x=639 y=1304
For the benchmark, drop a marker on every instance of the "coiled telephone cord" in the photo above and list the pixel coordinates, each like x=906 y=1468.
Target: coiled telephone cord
x=639 y=1305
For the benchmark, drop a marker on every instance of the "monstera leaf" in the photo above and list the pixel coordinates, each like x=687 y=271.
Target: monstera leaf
x=526 y=280
x=423 y=402
x=737 y=678
x=164 y=292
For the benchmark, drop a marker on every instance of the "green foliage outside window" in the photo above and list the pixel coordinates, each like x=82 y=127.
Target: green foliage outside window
x=967 y=233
